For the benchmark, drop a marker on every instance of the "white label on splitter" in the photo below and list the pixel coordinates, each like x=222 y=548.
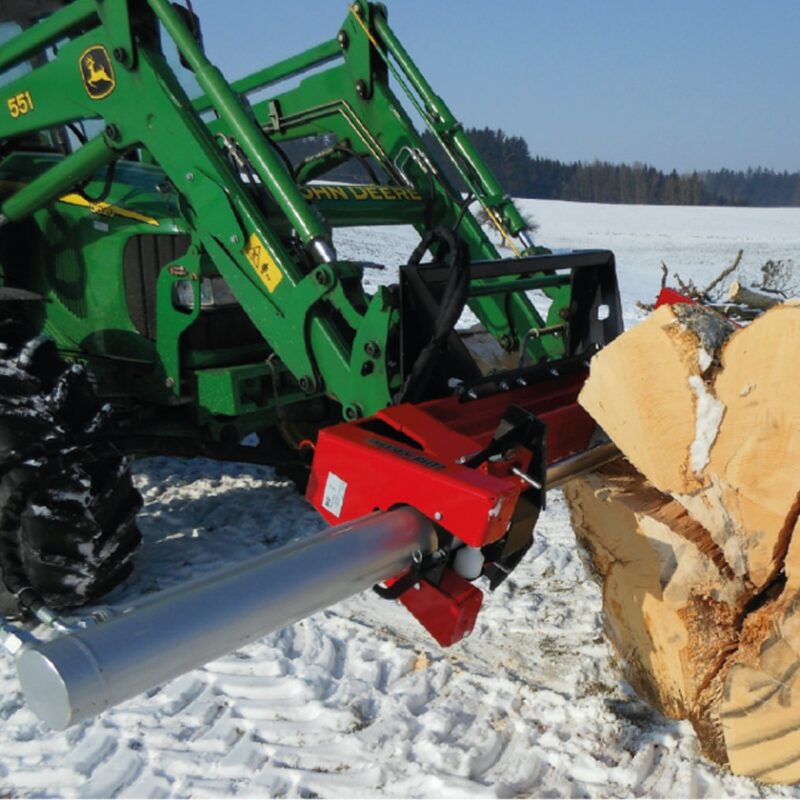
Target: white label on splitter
x=333 y=498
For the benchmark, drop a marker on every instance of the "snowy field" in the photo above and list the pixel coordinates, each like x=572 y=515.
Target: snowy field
x=357 y=700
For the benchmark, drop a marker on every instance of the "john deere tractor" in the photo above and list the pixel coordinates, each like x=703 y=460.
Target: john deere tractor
x=170 y=285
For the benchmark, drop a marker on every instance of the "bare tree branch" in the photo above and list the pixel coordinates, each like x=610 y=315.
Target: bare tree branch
x=724 y=274
x=689 y=289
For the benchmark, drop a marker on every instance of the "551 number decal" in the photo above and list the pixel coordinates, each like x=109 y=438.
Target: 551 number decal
x=20 y=104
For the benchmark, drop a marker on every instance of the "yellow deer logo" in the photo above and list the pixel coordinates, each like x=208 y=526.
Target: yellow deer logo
x=97 y=73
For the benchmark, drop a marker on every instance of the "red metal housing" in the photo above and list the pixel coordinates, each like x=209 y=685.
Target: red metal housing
x=411 y=455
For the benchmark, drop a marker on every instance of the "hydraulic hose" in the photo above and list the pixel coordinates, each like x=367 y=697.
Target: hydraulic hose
x=454 y=299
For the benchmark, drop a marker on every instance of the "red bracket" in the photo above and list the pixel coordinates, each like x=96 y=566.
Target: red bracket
x=413 y=455
x=447 y=611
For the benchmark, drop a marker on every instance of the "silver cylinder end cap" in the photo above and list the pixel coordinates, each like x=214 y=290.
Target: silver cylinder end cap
x=322 y=251
x=62 y=682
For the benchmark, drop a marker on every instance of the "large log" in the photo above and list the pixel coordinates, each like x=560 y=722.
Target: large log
x=664 y=581
x=697 y=544
x=710 y=417
x=647 y=391
x=760 y=703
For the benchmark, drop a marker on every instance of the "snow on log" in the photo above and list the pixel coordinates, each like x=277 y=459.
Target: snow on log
x=698 y=547
x=646 y=390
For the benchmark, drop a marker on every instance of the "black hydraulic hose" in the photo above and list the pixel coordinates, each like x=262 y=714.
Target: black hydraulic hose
x=361 y=158
x=454 y=298
x=106 y=190
x=465 y=203
x=282 y=155
x=80 y=134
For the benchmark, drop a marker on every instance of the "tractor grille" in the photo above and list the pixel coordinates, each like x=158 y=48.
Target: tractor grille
x=217 y=326
x=143 y=259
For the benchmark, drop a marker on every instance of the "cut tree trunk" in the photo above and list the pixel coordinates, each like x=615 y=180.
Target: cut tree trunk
x=747 y=297
x=693 y=539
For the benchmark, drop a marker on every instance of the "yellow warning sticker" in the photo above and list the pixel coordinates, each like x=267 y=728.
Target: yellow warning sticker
x=257 y=254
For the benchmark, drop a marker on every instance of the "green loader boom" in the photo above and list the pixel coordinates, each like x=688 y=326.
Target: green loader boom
x=209 y=176
x=169 y=284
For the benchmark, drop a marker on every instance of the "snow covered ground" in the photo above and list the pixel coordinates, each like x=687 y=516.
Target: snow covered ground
x=357 y=700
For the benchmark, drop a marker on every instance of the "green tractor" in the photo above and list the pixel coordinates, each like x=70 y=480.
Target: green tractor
x=170 y=286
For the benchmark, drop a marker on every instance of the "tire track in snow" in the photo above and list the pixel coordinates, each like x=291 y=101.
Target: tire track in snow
x=357 y=699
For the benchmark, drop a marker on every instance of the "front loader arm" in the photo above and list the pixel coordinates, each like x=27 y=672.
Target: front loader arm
x=280 y=293
x=352 y=100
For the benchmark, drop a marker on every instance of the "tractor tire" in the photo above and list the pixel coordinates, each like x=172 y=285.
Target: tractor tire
x=67 y=517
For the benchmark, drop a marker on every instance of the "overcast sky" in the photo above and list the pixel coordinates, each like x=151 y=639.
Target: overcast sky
x=684 y=84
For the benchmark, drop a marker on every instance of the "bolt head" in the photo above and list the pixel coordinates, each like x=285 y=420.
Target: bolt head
x=235 y=239
x=307 y=384
x=437 y=515
x=362 y=90
x=352 y=412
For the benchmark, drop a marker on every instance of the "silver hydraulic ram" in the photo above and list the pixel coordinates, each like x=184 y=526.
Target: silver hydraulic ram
x=77 y=676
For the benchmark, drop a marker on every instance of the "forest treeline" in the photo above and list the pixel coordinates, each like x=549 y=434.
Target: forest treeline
x=524 y=175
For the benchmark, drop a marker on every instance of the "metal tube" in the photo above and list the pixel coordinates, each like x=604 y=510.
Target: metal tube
x=563 y=471
x=46 y=32
x=527 y=241
x=75 y=677
x=288 y=68
x=75 y=168
x=438 y=108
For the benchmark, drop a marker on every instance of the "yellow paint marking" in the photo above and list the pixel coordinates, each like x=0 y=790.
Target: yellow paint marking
x=106 y=209
x=20 y=104
x=257 y=254
x=102 y=208
x=360 y=192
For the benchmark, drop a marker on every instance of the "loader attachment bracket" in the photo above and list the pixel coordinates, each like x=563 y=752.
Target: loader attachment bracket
x=580 y=286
